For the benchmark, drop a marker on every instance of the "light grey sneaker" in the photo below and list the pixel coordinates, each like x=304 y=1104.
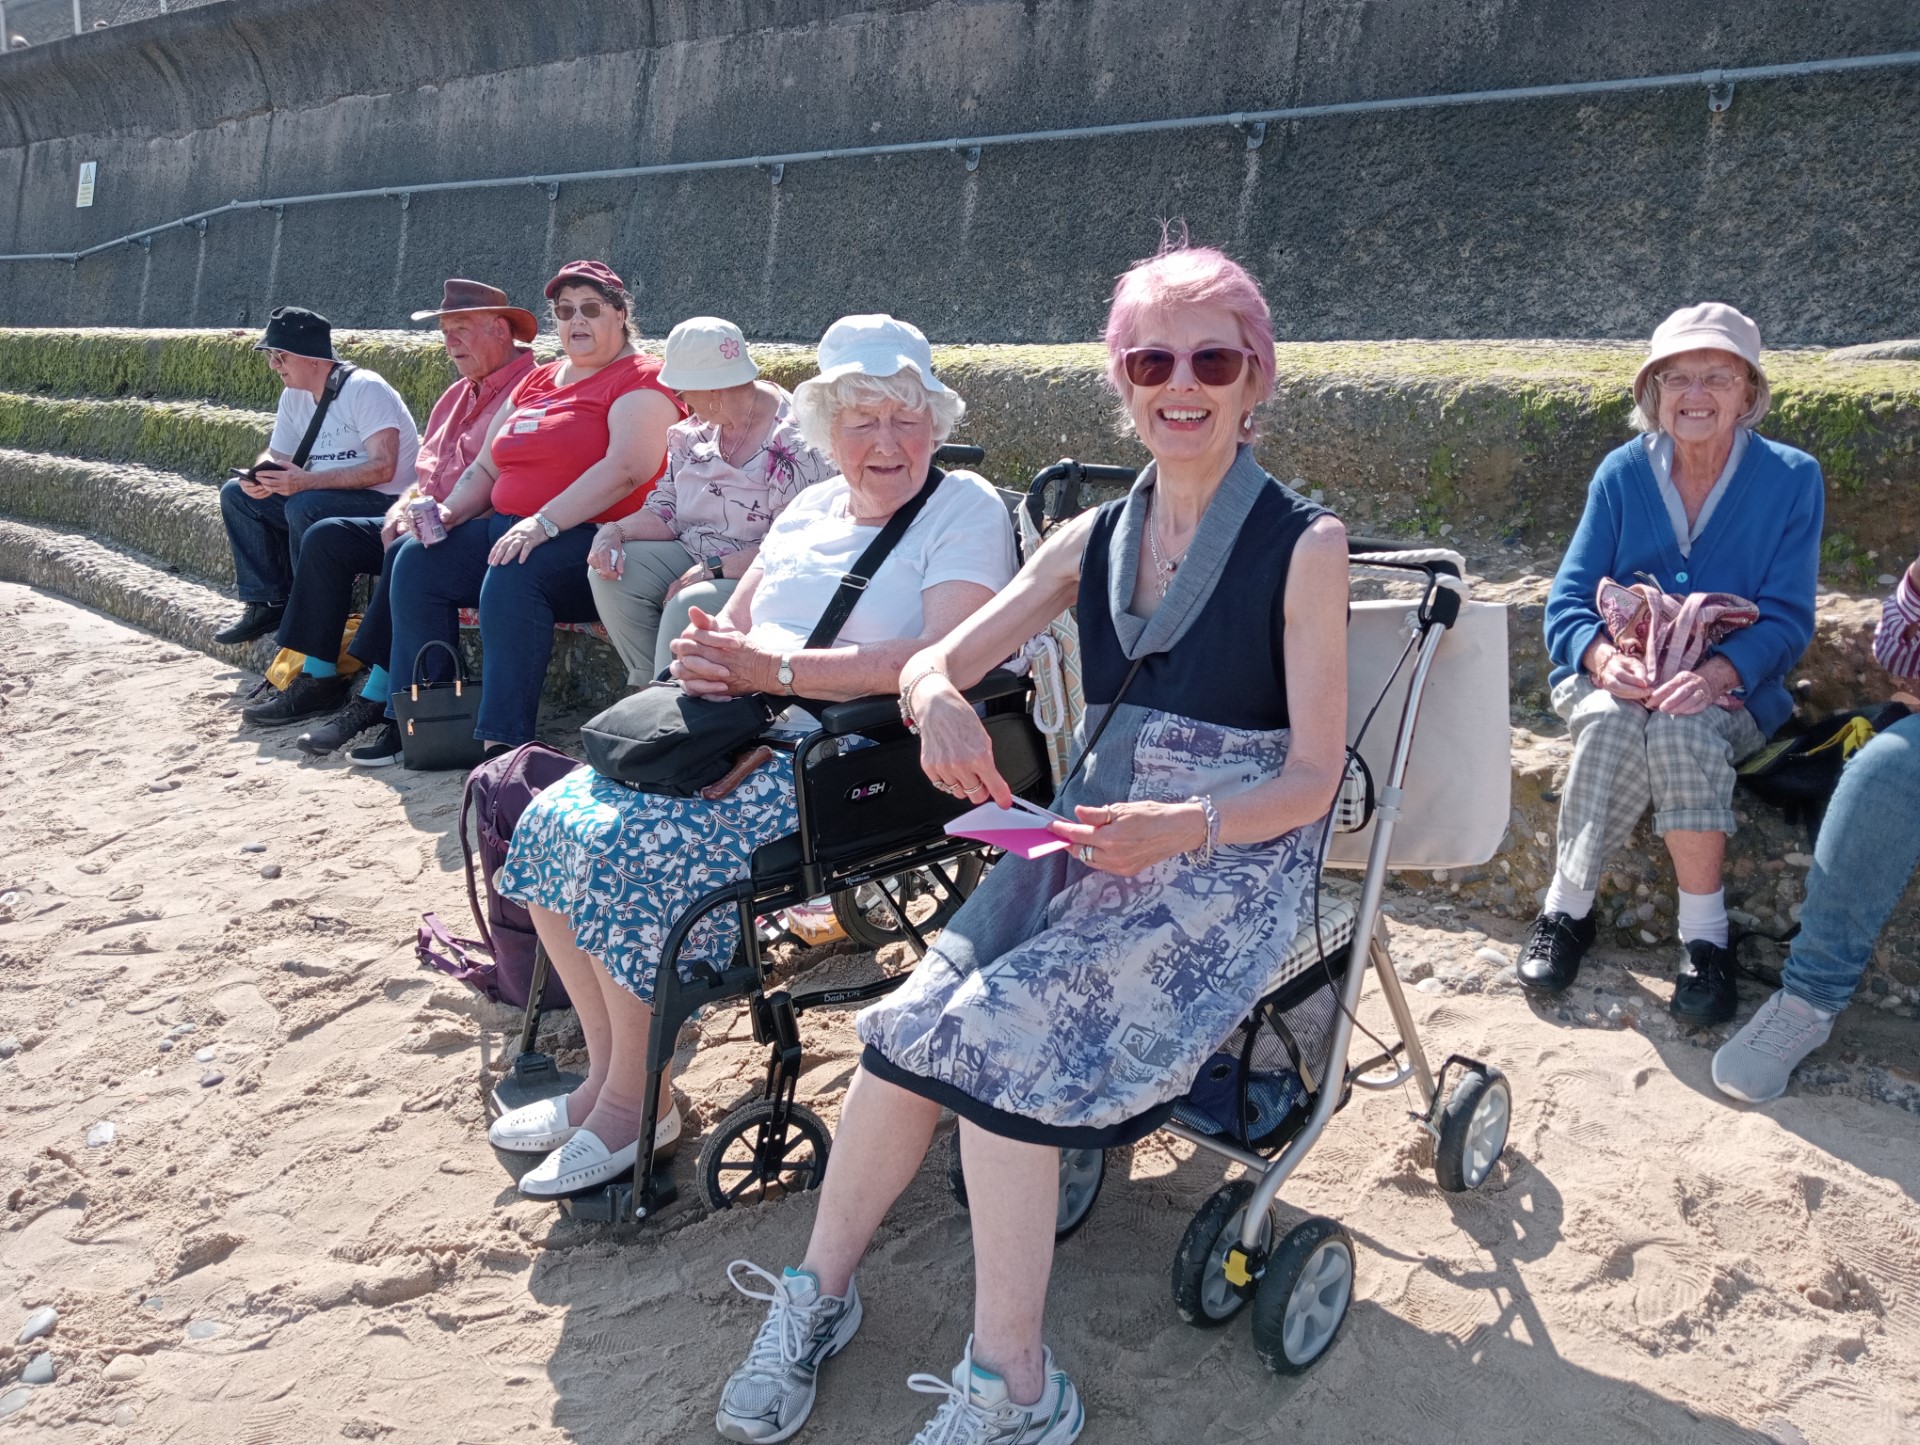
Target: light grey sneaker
x=977 y=1410
x=1755 y=1064
x=771 y=1394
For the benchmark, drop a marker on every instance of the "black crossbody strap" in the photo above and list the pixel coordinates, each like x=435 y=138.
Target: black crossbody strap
x=336 y=379
x=840 y=608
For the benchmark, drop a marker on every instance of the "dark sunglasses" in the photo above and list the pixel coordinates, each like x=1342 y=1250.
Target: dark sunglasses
x=1212 y=365
x=564 y=310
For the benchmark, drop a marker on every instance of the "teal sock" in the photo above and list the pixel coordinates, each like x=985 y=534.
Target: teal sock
x=314 y=667
x=378 y=688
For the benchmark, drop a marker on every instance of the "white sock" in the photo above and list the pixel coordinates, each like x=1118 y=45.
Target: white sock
x=1704 y=915
x=1563 y=897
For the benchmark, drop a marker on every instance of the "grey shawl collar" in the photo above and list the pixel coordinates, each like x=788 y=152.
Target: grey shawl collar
x=1205 y=562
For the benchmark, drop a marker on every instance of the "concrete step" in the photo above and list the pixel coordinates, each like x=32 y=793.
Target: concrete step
x=197 y=438
x=159 y=514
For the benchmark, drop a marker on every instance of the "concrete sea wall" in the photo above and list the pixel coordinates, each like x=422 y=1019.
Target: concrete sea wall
x=1585 y=216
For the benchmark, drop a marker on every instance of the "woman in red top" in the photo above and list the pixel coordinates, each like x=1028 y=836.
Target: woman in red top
x=581 y=442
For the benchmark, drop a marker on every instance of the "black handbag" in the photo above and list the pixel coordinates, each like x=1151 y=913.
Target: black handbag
x=1798 y=774
x=663 y=740
x=437 y=718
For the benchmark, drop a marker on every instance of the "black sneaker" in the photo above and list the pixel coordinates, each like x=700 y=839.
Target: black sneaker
x=306 y=696
x=343 y=727
x=1705 y=992
x=258 y=620
x=382 y=752
x=1555 y=944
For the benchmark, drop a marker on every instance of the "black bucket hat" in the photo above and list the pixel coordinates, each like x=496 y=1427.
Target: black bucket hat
x=298 y=332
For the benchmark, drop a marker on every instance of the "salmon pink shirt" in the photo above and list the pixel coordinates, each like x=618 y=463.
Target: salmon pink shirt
x=554 y=433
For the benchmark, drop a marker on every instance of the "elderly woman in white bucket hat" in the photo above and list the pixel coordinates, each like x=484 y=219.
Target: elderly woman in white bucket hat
x=1700 y=502
x=732 y=466
x=605 y=870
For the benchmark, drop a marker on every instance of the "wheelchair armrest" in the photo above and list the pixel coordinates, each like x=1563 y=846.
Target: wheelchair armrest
x=863 y=714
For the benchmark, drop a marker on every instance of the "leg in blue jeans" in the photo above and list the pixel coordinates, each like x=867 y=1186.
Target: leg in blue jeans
x=428 y=587
x=305 y=508
x=257 y=533
x=519 y=603
x=1867 y=850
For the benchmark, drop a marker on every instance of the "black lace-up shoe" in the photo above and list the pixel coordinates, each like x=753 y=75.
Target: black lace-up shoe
x=306 y=696
x=383 y=752
x=1706 y=991
x=258 y=620
x=343 y=727
x=1550 y=958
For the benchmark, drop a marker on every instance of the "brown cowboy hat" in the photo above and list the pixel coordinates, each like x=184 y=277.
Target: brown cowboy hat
x=459 y=296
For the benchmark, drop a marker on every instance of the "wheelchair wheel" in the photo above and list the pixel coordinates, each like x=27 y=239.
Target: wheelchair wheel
x=864 y=914
x=742 y=1162
x=1473 y=1130
x=1303 y=1296
x=1082 y=1172
x=1202 y=1292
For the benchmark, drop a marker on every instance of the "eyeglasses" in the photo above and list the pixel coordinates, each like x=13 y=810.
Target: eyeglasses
x=1716 y=381
x=566 y=310
x=1212 y=365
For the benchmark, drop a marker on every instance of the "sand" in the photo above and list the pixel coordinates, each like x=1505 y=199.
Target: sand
x=320 y=1245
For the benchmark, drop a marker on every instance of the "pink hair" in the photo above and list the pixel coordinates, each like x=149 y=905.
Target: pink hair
x=1183 y=275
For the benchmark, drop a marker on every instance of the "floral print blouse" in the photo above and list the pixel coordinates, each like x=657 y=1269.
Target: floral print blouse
x=716 y=508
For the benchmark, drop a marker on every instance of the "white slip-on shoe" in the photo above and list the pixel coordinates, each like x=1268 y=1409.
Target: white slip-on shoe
x=536 y=1128
x=584 y=1162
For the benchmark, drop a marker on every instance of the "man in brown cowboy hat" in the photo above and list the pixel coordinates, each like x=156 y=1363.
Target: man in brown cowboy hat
x=487 y=339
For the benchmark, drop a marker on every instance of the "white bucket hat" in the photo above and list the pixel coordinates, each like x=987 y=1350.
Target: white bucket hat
x=706 y=353
x=1710 y=326
x=876 y=346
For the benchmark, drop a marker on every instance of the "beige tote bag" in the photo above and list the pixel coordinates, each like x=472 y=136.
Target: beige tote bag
x=1459 y=783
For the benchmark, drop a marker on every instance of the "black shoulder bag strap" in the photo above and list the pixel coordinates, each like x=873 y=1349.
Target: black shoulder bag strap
x=853 y=583
x=336 y=379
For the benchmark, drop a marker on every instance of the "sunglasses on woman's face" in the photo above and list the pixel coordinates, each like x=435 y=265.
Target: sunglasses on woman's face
x=1212 y=365
x=566 y=310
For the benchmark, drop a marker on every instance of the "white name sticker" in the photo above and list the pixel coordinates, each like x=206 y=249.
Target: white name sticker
x=528 y=421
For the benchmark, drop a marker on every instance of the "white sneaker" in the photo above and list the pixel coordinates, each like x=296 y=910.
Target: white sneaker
x=978 y=1411
x=536 y=1128
x=584 y=1161
x=1755 y=1064
x=771 y=1394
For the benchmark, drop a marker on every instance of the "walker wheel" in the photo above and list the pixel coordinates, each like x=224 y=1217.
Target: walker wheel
x=867 y=920
x=1473 y=1129
x=1303 y=1296
x=1082 y=1172
x=1202 y=1292
x=743 y=1161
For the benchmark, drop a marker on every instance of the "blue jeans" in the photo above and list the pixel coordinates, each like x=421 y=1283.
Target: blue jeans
x=1867 y=850
x=265 y=533
x=519 y=603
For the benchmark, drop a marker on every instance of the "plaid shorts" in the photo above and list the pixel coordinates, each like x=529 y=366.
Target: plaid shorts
x=1626 y=758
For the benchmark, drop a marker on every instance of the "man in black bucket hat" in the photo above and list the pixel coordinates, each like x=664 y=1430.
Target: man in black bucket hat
x=354 y=463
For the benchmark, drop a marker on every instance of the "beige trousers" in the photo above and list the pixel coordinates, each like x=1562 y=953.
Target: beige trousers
x=640 y=622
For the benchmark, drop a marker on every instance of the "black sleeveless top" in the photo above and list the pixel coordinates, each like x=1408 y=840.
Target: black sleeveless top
x=1229 y=668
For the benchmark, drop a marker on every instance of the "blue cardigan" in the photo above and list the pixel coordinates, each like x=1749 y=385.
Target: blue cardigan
x=1762 y=543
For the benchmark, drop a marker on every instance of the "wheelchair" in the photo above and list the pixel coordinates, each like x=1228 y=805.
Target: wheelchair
x=1286 y=1070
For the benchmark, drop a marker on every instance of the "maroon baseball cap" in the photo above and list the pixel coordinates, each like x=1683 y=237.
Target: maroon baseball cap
x=598 y=272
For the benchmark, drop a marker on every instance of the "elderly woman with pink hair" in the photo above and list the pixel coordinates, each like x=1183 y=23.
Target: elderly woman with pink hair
x=1076 y=995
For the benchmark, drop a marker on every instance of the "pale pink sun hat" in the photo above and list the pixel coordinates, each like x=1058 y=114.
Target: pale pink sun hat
x=1710 y=326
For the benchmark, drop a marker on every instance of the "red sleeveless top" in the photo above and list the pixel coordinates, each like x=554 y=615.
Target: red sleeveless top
x=554 y=433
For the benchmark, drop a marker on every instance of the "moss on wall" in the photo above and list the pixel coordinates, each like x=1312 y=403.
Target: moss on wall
x=196 y=438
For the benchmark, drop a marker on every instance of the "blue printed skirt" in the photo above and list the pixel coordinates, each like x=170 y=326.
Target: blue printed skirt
x=622 y=866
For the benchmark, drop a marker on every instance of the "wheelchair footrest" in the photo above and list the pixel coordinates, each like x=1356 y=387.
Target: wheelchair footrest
x=533 y=1077
x=614 y=1204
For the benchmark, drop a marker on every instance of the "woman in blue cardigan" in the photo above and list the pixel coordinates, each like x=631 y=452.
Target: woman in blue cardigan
x=1700 y=503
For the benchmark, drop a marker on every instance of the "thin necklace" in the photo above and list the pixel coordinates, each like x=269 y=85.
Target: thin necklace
x=1162 y=570
x=748 y=433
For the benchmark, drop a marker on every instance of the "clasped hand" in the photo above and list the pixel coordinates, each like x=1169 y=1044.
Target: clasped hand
x=607 y=554
x=712 y=660
x=1681 y=695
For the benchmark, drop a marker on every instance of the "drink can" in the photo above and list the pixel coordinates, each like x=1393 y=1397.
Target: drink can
x=427 y=526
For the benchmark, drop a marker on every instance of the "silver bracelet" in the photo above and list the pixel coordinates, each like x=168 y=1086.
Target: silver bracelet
x=906 y=695
x=1203 y=855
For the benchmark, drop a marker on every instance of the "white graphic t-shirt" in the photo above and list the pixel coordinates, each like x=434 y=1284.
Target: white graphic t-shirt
x=367 y=404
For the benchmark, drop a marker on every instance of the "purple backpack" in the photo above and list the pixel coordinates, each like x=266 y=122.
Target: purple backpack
x=500 y=962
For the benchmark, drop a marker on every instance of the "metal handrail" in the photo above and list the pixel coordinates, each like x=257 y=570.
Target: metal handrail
x=1252 y=123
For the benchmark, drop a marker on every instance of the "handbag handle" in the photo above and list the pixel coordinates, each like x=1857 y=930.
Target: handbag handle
x=460 y=678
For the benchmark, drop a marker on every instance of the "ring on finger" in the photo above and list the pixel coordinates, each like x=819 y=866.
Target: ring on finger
x=1086 y=853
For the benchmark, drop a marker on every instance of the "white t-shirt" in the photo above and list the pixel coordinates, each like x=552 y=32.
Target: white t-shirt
x=367 y=404
x=963 y=534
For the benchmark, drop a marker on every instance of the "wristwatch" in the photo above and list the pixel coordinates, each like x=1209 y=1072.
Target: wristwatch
x=715 y=568
x=547 y=525
x=786 y=671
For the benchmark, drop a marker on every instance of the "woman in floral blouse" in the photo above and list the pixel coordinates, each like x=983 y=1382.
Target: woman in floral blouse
x=731 y=467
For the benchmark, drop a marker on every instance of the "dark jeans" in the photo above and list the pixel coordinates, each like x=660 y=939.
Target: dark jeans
x=519 y=603
x=266 y=532
x=335 y=553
